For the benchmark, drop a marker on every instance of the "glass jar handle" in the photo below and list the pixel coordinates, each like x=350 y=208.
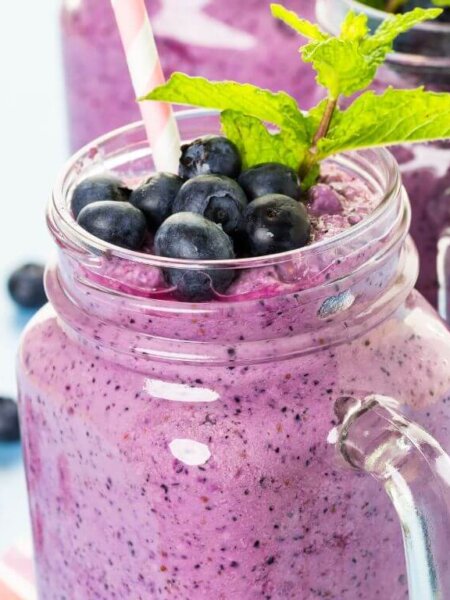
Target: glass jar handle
x=415 y=472
x=443 y=273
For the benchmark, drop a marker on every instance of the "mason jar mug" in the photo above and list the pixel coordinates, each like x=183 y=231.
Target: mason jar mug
x=222 y=448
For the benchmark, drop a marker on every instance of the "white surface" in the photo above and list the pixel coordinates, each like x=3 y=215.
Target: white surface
x=33 y=149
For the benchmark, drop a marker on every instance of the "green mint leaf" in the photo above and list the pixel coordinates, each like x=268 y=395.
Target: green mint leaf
x=309 y=30
x=348 y=63
x=257 y=145
x=279 y=108
x=354 y=27
x=380 y=43
x=396 y=116
x=441 y=3
x=340 y=66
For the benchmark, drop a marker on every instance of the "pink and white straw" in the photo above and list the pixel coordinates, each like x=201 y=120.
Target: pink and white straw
x=146 y=74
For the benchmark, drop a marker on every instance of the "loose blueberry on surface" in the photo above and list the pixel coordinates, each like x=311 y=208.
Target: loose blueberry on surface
x=9 y=420
x=216 y=197
x=211 y=154
x=270 y=178
x=276 y=223
x=118 y=223
x=188 y=235
x=155 y=197
x=96 y=189
x=26 y=286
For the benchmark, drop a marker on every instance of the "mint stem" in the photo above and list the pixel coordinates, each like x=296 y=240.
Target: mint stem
x=324 y=123
x=321 y=132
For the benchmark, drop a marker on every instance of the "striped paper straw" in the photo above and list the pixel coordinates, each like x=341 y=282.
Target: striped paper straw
x=146 y=74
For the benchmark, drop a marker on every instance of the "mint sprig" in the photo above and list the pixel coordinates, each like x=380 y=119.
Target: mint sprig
x=268 y=126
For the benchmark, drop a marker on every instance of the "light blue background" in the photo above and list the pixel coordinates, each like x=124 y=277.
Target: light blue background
x=33 y=149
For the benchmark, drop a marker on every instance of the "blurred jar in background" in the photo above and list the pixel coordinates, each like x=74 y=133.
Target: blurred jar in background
x=421 y=57
x=218 y=39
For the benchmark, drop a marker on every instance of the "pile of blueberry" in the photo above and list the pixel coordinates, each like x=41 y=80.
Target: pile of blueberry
x=212 y=210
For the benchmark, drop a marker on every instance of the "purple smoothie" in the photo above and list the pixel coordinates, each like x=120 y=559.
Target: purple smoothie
x=215 y=39
x=179 y=450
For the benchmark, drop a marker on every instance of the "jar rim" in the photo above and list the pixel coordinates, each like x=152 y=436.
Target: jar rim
x=63 y=225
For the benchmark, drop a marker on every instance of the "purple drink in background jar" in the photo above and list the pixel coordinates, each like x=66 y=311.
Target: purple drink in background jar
x=213 y=38
x=421 y=57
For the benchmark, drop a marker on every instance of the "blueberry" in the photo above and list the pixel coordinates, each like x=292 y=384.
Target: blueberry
x=98 y=188
x=276 y=223
x=9 y=420
x=118 y=223
x=216 y=197
x=26 y=286
x=190 y=236
x=270 y=178
x=155 y=197
x=210 y=154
